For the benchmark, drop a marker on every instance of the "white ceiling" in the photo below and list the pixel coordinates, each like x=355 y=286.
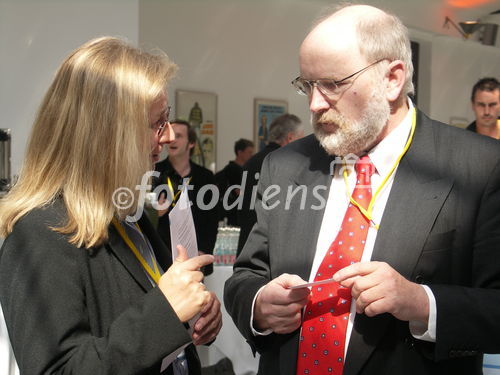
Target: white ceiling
x=429 y=15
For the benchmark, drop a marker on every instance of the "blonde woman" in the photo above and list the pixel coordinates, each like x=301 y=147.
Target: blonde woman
x=82 y=288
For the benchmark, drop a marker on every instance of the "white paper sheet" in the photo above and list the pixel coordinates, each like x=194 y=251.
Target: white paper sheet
x=182 y=231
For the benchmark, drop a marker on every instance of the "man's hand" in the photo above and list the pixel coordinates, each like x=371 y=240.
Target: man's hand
x=209 y=323
x=378 y=288
x=278 y=308
x=182 y=285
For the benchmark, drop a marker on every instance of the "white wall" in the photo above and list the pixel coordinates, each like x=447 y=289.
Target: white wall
x=35 y=36
x=456 y=66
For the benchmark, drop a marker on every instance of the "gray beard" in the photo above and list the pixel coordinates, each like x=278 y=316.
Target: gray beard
x=353 y=137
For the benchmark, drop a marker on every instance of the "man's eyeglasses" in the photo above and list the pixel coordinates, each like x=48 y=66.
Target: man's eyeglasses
x=327 y=86
x=160 y=125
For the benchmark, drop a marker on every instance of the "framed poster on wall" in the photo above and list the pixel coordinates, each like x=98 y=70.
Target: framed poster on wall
x=265 y=111
x=200 y=110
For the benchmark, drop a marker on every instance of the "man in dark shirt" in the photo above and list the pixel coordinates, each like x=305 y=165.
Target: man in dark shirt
x=485 y=100
x=176 y=169
x=283 y=130
x=230 y=176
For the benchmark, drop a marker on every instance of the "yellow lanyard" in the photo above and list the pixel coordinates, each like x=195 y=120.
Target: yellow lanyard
x=154 y=274
x=368 y=213
x=171 y=188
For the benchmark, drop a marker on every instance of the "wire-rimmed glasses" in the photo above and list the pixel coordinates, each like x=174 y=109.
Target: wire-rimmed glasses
x=160 y=125
x=327 y=86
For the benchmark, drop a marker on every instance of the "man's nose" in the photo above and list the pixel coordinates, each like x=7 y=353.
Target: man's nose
x=317 y=101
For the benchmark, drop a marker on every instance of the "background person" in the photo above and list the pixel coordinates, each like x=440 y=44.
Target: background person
x=178 y=167
x=231 y=175
x=485 y=99
x=283 y=130
x=81 y=288
x=416 y=278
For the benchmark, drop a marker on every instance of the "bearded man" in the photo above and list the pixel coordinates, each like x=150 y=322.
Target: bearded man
x=394 y=217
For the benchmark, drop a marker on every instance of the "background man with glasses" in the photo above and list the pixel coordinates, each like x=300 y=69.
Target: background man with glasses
x=402 y=212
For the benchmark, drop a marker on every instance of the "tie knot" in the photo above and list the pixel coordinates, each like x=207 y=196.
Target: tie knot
x=364 y=170
x=364 y=166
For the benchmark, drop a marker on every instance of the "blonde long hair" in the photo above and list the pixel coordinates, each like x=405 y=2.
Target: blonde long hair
x=91 y=136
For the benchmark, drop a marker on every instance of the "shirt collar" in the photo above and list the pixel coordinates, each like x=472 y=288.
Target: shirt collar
x=170 y=171
x=385 y=153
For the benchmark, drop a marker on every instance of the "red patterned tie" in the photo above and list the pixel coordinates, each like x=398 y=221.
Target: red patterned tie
x=322 y=340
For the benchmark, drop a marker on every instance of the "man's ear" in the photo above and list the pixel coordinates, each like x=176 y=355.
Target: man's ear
x=396 y=74
x=190 y=145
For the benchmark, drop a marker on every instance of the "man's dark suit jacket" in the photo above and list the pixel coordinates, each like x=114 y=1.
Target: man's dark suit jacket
x=80 y=311
x=247 y=216
x=440 y=227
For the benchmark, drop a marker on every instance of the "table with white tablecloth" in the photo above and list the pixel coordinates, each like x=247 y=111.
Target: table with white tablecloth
x=229 y=343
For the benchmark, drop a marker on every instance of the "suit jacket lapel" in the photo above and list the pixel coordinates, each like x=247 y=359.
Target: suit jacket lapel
x=125 y=255
x=162 y=251
x=416 y=197
x=315 y=173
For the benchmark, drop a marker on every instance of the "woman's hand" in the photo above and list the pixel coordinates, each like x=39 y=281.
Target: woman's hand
x=182 y=285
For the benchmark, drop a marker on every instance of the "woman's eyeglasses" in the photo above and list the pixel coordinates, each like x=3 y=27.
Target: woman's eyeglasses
x=161 y=124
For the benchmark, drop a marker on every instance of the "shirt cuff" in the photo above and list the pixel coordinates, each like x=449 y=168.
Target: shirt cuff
x=254 y=331
x=418 y=329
